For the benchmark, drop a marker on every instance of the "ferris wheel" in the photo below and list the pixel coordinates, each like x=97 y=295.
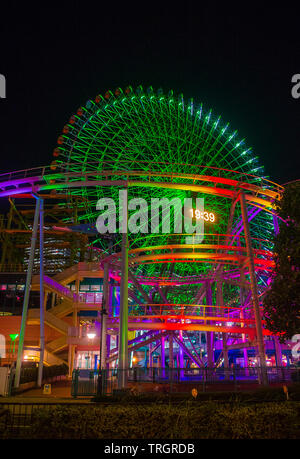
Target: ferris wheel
x=142 y=132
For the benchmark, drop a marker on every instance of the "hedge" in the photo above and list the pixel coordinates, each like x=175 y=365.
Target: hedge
x=268 y=394
x=188 y=420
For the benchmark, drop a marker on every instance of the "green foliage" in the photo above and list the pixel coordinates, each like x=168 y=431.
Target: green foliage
x=282 y=301
x=208 y=420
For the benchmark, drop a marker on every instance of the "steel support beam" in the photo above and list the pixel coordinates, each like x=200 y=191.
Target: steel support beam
x=104 y=309
x=198 y=358
x=162 y=354
x=183 y=348
x=250 y=262
x=123 y=326
x=171 y=354
x=164 y=298
x=42 y=299
x=243 y=301
x=278 y=352
x=138 y=285
x=181 y=356
x=144 y=343
x=224 y=335
x=209 y=334
x=26 y=294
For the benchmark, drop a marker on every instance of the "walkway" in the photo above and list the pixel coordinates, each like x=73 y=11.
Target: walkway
x=60 y=392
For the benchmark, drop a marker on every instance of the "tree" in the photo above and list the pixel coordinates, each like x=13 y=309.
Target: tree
x=282 y=301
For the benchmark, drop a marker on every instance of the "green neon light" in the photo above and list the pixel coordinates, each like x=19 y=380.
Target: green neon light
x=14 y=336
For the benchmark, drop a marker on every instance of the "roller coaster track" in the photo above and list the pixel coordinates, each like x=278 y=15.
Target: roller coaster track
x=43 y=179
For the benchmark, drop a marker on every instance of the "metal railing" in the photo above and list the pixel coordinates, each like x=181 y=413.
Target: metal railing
x=65 y=291
x=90 y=297
x=173 y=380
x=202 y=310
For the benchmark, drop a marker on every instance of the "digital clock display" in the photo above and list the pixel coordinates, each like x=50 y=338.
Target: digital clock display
x=207 y=216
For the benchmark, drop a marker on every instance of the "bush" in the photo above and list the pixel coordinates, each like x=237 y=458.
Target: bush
x=187 y=420
x=269 y=394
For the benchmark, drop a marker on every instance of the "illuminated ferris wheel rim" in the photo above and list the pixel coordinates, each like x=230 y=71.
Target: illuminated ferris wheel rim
x=152 y=118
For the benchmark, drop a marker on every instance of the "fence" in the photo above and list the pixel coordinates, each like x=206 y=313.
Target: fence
x=29 y=375
x=90 y=383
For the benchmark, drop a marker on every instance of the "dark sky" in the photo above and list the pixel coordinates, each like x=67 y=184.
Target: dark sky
x=239 y=62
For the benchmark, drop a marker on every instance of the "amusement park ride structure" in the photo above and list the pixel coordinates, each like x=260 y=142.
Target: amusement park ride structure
x=145 y=143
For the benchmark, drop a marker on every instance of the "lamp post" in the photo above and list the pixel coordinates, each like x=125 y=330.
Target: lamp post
x=103 y=327
x=42 y=299
x=123 y=315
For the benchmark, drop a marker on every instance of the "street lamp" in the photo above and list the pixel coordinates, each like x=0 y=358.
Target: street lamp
x=91 y=335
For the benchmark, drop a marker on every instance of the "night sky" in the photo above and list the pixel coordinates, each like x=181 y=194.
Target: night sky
x=238 y=62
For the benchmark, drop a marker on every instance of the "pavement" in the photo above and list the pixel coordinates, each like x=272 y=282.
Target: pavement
x=60 y=392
